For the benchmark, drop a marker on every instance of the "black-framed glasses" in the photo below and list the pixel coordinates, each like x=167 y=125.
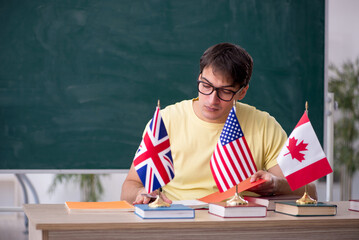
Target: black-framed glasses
x=222 y=93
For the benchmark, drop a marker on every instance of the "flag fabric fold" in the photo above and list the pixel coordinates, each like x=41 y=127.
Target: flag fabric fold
x=153 y=160
x=302 y=158
x=232 y=160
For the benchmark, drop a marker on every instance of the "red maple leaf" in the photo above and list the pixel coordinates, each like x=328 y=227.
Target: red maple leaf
x=295 y=150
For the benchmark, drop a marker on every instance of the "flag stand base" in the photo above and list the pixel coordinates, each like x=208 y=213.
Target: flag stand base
x=236 y=200
x=159 y=203
x=306 y=199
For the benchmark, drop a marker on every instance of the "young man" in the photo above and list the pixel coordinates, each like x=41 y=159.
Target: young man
x=194 y=127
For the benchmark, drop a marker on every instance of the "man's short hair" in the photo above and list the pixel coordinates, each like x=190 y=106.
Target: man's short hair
x=229 y=59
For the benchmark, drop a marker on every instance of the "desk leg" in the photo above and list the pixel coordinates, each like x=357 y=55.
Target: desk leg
x=35 y=234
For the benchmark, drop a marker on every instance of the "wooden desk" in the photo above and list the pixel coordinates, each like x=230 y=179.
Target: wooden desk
x=51 y=221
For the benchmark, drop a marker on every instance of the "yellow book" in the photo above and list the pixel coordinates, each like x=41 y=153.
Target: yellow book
x=94 y=207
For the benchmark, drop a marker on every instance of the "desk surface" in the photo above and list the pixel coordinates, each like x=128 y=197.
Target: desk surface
x=54 y=218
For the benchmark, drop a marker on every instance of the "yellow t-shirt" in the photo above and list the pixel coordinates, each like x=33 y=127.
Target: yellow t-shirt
x=193 y=141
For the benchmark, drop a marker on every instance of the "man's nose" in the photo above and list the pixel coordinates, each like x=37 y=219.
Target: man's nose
x=214 y=97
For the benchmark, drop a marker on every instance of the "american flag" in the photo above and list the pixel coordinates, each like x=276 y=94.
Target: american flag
x=153 y=160
x=232 y=160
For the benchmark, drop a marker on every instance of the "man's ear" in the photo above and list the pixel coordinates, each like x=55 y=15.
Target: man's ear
x=242 y=94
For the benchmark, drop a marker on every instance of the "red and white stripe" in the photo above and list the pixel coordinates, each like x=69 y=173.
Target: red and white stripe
x=232 y=163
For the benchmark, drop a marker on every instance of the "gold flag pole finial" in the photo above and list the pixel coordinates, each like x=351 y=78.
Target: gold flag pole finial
x=234 y=105
x=306 y=106
x=158 y=103
x=306 y=199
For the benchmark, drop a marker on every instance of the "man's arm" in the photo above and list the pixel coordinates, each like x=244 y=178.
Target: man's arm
x=278 y=185
x=133 y=188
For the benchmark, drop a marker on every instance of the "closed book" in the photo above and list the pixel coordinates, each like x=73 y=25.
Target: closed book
x=247 y=210
x=269 y=201
x=174 y=211
x=354 y=205
x=318 y=209
x=98 y=207
x=193 y=203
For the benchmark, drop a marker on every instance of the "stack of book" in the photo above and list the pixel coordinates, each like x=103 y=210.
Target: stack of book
x=248 y=210
x=174 y=211
x=354 y=205
x=294 y=209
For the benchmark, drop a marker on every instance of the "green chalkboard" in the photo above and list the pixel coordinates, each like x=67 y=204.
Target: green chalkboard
x=80 y=79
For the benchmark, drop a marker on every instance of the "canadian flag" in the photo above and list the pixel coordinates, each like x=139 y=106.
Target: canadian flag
x=302 y=158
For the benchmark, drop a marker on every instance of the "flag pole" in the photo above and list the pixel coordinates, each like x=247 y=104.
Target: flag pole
x=306 y=199
x=159 y=202
x=237 y=198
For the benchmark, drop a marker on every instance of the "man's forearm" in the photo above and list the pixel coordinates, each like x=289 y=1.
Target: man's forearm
x=130 y=190
x=284 y=188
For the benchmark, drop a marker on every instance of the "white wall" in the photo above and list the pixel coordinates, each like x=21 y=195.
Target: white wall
x=11 y=193
x=343 y=45
x=343 y=30
x=71 y=191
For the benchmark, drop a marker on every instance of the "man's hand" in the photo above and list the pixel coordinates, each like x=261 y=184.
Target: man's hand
x=133 y=190
x=269 y=187
x=276 y=184
x=143 y=198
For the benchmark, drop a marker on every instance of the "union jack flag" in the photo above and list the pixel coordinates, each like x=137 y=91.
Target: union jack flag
x=232 y=160
x=153 y=160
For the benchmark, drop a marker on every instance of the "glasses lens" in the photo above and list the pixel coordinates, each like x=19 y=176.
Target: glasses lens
x=225 y=95
x=205 y=88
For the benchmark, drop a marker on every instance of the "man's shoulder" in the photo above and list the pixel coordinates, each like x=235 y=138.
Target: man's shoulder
x=251 y=116
x=178 y=108
x=250 y=111
x=177 y=114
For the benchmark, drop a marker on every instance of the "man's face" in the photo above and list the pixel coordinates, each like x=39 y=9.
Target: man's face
x=211 y=108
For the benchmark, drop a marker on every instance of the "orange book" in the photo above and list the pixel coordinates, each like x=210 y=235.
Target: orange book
x=242 y=186
x=91 y=207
